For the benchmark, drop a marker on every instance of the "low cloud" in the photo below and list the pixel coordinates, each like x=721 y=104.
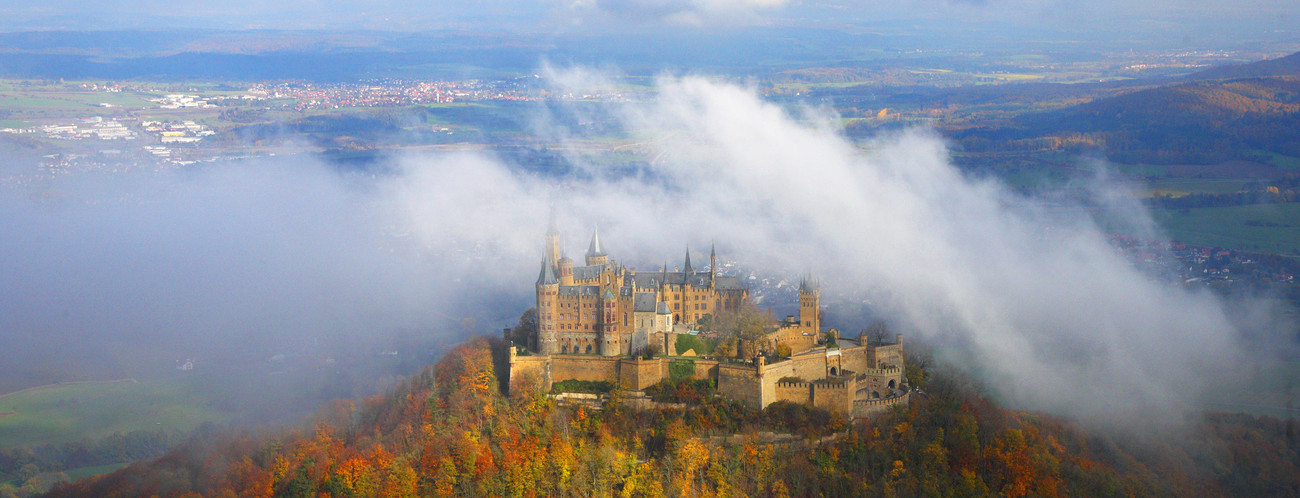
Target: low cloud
x=1026 y=292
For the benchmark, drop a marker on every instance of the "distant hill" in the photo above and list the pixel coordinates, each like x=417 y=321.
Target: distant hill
x=1208 y=121
x=1282 y=66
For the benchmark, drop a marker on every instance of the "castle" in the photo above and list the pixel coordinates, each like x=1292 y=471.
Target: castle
x=606 y=322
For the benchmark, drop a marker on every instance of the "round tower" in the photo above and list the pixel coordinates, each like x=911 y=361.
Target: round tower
x=566 y=271
x=596 y=254
x=548 y=294
x=611 y=341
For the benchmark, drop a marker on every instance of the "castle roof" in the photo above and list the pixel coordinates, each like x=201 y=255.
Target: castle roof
x=644 y=302
x=728 y=283
x=547 y=275
x=596 y=249
x=806 y=285
x=687 y=268
x=696 y=279
x=587 y=272
x=580 y=290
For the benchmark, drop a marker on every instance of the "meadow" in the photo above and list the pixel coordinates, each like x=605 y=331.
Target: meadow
x=61 y=413
x=1268 y=228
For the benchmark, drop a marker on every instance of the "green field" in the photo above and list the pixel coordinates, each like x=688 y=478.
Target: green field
x=1178 y=187
x=61 y=413
x=1271 y=228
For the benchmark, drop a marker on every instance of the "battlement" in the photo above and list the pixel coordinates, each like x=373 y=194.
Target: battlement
x=866 y=407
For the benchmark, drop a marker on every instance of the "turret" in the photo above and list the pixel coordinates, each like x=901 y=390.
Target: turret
x=596 y=254
x=566 y=271
x=610 y=338
x=687 y=267
x=548 y=293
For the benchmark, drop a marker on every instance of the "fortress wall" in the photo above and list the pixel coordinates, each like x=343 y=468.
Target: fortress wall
x=836 y=397
x=811 y=367
x=706 y=369
x=876 y=379
x=857 y=359
x=566 y=367
x=794 y=392
x=529 y=372
x=771 y=374
x=889 y=354
x=794 y=337
x=741 y=382
x=637 y=374
x=863 y=408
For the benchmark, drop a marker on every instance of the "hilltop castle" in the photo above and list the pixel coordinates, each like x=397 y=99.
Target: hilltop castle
x=607 y=309
x=606 y=322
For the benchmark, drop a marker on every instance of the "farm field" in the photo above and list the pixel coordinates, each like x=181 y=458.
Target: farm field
x=60 y=413
x=1271 y=228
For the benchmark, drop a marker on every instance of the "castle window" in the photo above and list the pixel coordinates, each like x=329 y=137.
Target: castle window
x=588 y=349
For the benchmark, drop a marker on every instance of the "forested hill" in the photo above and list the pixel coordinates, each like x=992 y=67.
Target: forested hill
x=1206 y=121
x=1282 y=66
x=1201 y=122
x=450 y=431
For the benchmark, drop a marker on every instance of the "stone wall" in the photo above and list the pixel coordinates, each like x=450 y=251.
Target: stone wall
x=889 y=354
x=794 y=392
x=834 y=396
x=529 y=372
x=809 y=367
x=741 y=382
x=865 y=407
x=857 y=358
x=706 y=369
x=584 y=367
x=637 y=374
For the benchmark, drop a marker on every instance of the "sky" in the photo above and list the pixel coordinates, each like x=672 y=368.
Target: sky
x=583 y=15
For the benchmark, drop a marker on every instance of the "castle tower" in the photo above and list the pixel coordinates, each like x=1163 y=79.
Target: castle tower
x=810 y=296
x=713 y=265
x=596 y=252
x=548 y=295
x=566 y=271
x=611 y=340
x=554 y=252
x=687 y=298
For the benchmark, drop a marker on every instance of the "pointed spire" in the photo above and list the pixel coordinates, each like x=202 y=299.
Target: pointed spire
x=713 y=260
x=806 y=285
x=687 y=269
x=595 y=249
x=547 y=275
x=550 y=226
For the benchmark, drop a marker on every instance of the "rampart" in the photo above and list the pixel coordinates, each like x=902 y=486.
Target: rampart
x=847 y=380
x=866 y=407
